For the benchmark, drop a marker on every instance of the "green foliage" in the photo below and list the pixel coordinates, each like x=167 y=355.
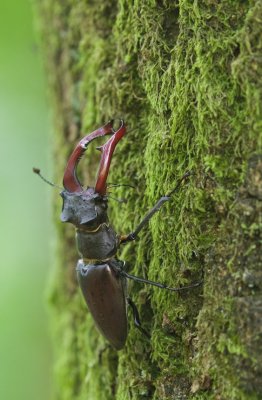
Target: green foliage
x=186 y=76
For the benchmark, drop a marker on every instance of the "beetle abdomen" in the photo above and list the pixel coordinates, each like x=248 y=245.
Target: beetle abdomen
x=104 y=293
x=97 y=245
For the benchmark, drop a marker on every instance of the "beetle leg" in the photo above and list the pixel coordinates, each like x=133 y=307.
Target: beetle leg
x=101 y=352
x=160 y=285
x=133 y=235
x=136 y=318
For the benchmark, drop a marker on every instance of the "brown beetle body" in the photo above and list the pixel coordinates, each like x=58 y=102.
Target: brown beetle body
x=104 y=291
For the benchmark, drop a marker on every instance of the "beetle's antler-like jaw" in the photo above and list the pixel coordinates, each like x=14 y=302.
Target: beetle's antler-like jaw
x=107 y=152
x=70 y=180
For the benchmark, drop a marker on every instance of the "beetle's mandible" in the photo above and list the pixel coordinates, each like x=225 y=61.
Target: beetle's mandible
x=101 y=275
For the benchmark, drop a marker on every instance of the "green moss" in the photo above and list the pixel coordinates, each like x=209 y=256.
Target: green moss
x=186 y=76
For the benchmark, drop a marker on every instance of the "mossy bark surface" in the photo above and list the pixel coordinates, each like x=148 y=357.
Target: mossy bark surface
x=186 y=76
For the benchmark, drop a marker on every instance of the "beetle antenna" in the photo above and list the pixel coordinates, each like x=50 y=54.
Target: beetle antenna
x=118 y=200
x=37 y=172
x=110 y=185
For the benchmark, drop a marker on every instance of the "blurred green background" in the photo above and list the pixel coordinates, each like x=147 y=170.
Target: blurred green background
x=25 y=232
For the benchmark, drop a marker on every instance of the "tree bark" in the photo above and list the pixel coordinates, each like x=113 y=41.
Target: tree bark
x=186 y=77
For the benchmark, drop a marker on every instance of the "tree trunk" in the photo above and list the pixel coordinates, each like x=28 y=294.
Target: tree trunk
x=186 y=77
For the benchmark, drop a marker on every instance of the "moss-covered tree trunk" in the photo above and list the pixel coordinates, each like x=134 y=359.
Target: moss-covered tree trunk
x=187 y=78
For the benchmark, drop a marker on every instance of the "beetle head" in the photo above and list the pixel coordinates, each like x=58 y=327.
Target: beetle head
x=83 y=208
x=89 y=206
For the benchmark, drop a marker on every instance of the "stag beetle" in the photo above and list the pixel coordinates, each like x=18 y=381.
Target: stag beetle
x=101 y=275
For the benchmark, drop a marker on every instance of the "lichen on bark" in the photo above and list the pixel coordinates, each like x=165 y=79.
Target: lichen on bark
x=186 y=77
